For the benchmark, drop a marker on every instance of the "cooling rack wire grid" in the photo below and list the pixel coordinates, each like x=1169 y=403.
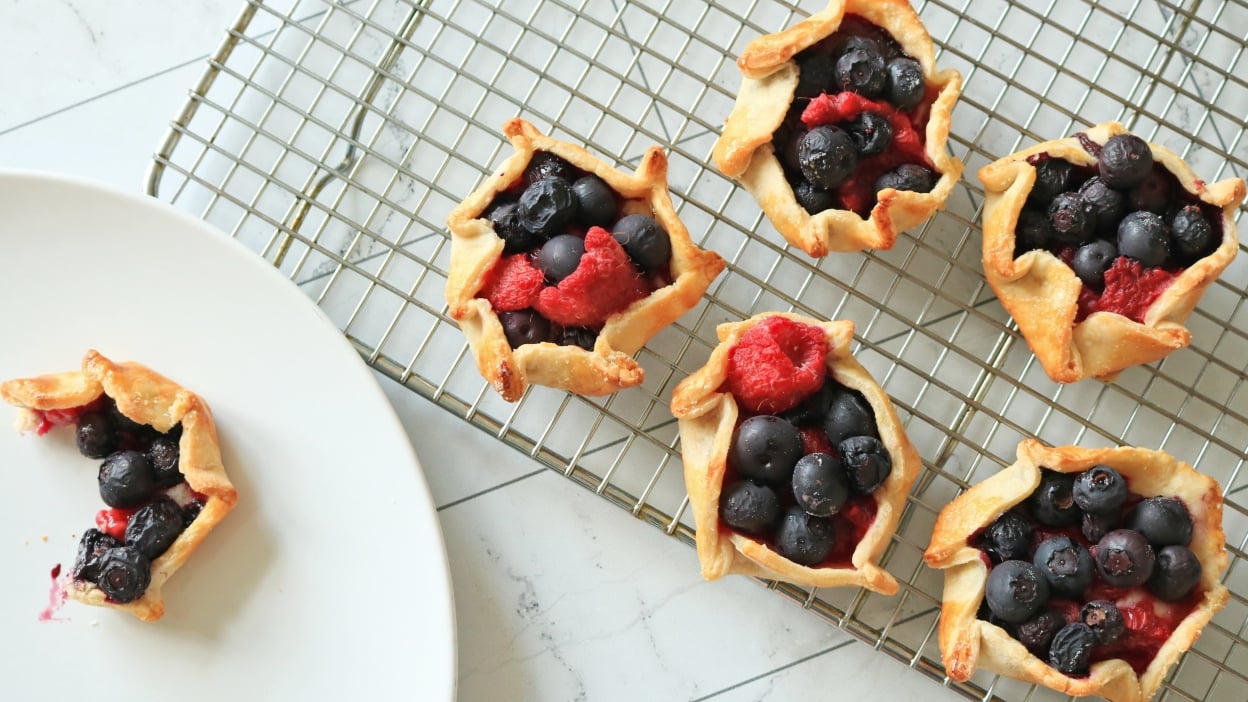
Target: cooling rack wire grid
x=333 y=138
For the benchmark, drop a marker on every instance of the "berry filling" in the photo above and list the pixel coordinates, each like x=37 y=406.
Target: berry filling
x=572 y=257
x=149 y=502
x=800 y=478
x=1125 y=226
x=1131 y=582
x=857 y=121
x=604 y=282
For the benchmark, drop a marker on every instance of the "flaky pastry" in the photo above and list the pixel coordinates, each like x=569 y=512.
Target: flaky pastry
x=476 y=248
x=148 y=398
x=707 y=418
x=745 y=153
x=1042 y=293
x=968 y=643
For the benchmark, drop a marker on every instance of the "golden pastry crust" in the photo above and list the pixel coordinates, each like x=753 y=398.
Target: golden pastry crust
x=148 y=398
x=1042 y=293
x=744 y=151
x=707 y=418
x=475 y=248
x=968 y=643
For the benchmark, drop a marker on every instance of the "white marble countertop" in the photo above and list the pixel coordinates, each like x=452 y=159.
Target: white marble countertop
x=561 y=596
x=89 y=87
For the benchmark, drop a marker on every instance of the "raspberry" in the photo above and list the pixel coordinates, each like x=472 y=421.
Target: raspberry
x=841 y=107
x=776 y=364
x=604 y=283
x=512 y=284
x=815 y=440
x=113 y=521
x=1130 y=289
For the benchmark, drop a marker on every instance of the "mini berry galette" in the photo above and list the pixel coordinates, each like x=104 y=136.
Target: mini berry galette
x=562 y=267
x=1100 y=245
x=796 y=464
x=161 y=479
x=1088 y=571
x=840 y=127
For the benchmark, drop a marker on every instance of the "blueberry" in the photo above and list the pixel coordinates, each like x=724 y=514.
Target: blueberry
x=1153 y=194
x=1053 y=502
x=908 y=176
x=126 y=479
x=163 y=454
x=1143 y=237
x=1191 y=235
x=1072 y=218
x=1100 y=489
x=1008 y=538
x=765 y=448
x=871 y=133
x=804 y=539
x=1066 y=564
x=1096 y=526
x=524 y=327
x=1071 y=650
x=1105 y=620
x=826 y=156
x=1052 y=179
x=94 y=435
x=849 y=414
x=595 y=201
x=123 y=574
x=547 y=207
x=125 y=425
x=906 y=86
x=814 y=408
x=578 y=336
x=560 y=256
x=867 y=463
x=644 y=241
x=191 y=511
x=1091 y=260
x=1164 y=521
x=749 y=508
x=1125 y=161
x=785 y=143
x=1176 y=573
x=985 y=613
x=505 y=218
x=545 y=165
x=812 y=198
x=1109 y=204
x=1038 y=632
x=844 y=43
x=862 y=70
x=93 y=543
x=1124 y=558
x=816 y=72
x=819 y=484
x=1032 y=232
x=1015 y=591
x=154 y=528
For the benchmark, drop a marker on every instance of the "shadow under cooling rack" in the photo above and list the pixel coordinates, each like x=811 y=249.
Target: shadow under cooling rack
x=333 y=139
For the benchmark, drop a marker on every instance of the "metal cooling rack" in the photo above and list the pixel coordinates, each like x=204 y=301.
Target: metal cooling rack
x=334 y=138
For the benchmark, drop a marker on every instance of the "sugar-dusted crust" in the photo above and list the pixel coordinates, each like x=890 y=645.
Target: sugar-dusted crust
x=968 y=643
x=744 y=151
x=1042 y=293
x=148 y=398
x=475 y=248
x=707 y=418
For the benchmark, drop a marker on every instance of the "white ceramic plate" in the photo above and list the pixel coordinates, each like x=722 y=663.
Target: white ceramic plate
x=329 y=579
